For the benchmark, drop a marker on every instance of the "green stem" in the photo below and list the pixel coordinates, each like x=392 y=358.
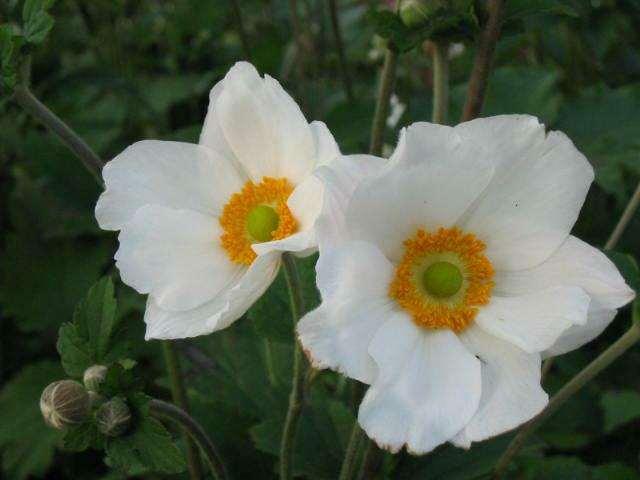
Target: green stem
x=356 y=441
x=163 y=409
x=299 y=371
x=370 y=461
x=630 y=209
x=342 y=58
x=179 y=395
x=573 y=386
x=387 y=78
x=483 y=60
x=440 y=82
x=27 y=100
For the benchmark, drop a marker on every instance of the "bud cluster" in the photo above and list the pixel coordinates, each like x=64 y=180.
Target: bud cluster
x=66 y=403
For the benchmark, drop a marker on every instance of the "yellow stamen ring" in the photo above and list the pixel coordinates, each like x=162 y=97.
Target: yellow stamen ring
x=255 y=214
x=443 y=278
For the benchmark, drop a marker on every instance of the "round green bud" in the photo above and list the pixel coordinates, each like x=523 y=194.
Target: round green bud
x=113 y=417
x=442 y=279
x=64 y=403
x=413 y=13
x=94 y=377
x=262 y=221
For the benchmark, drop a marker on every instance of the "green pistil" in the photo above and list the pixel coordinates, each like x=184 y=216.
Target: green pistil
x=442 y=279
x=262 y=221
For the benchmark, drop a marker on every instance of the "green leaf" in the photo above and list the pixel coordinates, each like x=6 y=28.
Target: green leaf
x=557 y=468
x=452 y=463
x=614 y=471
x=119 y=381
x=620 y=408
x=38 y=27
x=42 y=281
x=150 y=445
x=95 y=336
x=537 y=93
x=517 y=9
x=81 y=437
x=26 y=442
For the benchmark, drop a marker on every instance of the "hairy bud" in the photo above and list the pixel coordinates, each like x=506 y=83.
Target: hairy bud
x=64 y=403
x=113 y=417
x=94 y=377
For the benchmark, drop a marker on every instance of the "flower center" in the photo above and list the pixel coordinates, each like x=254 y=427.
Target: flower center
x=262 y=221
x=257 y=213
x=443 y=278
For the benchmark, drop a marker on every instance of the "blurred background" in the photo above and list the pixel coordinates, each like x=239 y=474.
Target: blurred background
x=118 y=71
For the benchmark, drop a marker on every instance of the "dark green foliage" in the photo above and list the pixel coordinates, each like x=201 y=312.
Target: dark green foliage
x=120 y=71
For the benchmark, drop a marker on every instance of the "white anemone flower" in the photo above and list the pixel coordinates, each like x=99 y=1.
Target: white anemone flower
x=448 y=274
x=203 y=227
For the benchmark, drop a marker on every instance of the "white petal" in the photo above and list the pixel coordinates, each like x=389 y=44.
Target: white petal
x=427 y=390
x=175 y=255
x=539 y=186
x=305 y=203
x=574 y=263
x=431 y=181
x=264 y=126
x=511 y=391
x=534 y=321
x=326 y=147
x=212 y=135
x=220 y=312
x=353 y=281
x=172 y=174
x=597 y=320
x=340 y=178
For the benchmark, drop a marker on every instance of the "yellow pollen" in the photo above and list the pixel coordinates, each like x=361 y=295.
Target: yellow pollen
x=270 y=192
x=447 y=245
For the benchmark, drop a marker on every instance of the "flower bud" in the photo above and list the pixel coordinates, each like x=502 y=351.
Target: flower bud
x=113 y=417
x=94 y=377
x=413 y=13
x=64 y=403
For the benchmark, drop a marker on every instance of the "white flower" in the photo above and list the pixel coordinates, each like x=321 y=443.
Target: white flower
x=202 y=227
x=452 y=273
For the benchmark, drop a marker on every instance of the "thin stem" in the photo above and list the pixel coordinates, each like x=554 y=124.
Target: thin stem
x=167 y=410
x=349 y=463
x=303 y=42
x=299 y=371
x=179 y=395
x=440 y=82
x=27 y=100
x=268 y=361
x=630 y=209
x=573 y=386
x=342 y=58
x=370 y=461
x=244 y=36
x=482 y=63
x=387 y=78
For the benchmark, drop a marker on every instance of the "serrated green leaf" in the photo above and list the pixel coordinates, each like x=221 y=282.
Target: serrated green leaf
x=150 y=445
x=619 y=408
x=26 y=442
x=95 y=336
x=38 y=27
